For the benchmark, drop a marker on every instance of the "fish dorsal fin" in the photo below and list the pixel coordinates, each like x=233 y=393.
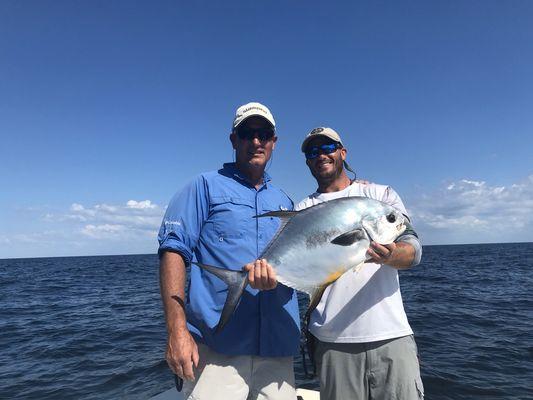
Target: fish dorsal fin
x=350 y=237
x=284 y=215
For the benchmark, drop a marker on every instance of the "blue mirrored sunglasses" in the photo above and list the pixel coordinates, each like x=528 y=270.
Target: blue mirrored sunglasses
x=314 y=151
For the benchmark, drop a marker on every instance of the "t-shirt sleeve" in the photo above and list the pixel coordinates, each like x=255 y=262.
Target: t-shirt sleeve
x=409 y=236
x=305 y=203
x=392 y=198
x=184 y=218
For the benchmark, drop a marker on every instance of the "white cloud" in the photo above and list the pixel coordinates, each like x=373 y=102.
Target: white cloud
x=474 y=211
x=104 y=231
x=48 y=217
x=76 y=207
x=36 y=238
x=140 y=204
x=79 y=210
x=106 y=208
x=135 y=219
x=82 y=229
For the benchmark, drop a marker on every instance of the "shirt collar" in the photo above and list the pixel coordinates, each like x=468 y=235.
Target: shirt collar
x=232 y=169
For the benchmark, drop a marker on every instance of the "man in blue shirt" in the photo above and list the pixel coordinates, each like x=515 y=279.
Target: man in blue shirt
x=212 y=221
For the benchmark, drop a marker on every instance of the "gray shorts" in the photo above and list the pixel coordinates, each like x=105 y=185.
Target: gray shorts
x=383 y=370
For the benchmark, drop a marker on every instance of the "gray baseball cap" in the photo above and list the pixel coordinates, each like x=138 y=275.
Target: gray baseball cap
x=328 y=133
x=321 y=131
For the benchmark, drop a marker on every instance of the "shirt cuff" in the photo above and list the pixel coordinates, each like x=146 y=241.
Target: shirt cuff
x=175 y=246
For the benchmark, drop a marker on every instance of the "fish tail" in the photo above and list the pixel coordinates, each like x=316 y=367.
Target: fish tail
x=236 y=281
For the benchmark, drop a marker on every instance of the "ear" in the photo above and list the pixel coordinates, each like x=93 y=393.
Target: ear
x=274 y=140
x=343 y=153
x=233 y=139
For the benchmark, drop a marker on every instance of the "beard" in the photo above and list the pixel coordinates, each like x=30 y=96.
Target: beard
x=329 y=175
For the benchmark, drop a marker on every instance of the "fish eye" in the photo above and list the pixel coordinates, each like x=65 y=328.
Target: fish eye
x=391 y=218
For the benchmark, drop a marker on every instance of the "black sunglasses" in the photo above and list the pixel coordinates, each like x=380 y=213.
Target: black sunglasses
x=327 y=148
x=263 y=134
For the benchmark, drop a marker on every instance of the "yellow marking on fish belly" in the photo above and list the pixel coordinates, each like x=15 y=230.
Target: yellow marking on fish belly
x=333 y=276
x=315 y=298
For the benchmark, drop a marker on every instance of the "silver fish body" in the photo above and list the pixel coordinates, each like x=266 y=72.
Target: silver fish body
x=310 y=251
x=315 y=246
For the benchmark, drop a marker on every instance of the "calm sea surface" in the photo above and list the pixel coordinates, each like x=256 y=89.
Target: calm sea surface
x=92 y=327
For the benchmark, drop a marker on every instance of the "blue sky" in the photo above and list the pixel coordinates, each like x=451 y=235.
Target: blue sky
x=108 y=108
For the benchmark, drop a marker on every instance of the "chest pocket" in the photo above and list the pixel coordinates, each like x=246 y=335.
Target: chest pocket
x=232 y=217
x=268 y=226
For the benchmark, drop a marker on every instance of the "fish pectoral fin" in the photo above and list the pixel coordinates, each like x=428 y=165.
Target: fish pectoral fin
x=236 y=281
x=278 y=214
x=350 y=237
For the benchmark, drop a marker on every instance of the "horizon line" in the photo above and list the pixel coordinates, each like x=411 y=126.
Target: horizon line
x=155 y=254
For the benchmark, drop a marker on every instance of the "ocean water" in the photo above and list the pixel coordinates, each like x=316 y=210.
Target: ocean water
x=93 y=328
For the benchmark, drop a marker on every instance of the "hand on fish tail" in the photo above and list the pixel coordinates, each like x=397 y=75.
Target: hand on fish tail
x=236 y=281
x=261 y=275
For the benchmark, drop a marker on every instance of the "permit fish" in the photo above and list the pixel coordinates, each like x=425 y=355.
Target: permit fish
x=315 y=246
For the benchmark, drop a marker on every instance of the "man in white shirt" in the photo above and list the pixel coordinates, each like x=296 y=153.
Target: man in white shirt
x=364 y=346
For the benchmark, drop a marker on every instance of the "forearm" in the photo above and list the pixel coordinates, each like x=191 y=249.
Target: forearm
x=172 y=285
x=182 y=351
x=413 y=240
x=402 y=256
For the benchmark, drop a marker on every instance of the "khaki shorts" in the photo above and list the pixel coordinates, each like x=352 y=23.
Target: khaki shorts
x=382 y=370
x=224 y=377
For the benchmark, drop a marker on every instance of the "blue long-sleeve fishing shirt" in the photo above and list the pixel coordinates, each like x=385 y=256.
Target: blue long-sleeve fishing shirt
x=212 y=220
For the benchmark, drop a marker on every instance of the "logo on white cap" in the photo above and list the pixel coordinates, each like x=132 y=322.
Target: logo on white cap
x=250 y=110
x=316 y=131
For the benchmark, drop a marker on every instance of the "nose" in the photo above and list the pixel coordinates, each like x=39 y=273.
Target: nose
x=255 y=140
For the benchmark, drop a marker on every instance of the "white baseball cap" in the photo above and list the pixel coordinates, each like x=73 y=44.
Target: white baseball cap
x=252 y=110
